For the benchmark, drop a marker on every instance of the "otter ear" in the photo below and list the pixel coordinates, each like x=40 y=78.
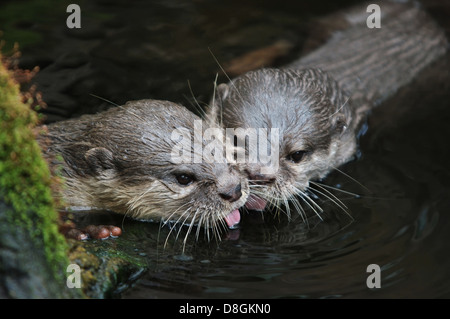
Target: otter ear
x=220 y=94
x=99 y=159
x=339 y=125
x=84 y=159
x=222 y=91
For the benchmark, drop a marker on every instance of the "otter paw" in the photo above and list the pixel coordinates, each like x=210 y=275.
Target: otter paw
x=77 y=234
x=102 y=231
x=92 y=231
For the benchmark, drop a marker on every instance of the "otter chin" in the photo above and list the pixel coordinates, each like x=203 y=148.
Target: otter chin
x=123 y=160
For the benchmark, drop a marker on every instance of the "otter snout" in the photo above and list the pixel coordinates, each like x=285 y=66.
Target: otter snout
x=233 y=194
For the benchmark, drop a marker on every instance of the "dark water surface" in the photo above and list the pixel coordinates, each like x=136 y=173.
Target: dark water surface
x=400 y=221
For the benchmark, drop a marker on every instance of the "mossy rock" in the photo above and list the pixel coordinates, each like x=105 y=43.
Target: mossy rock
x=33 y=254
x=107 y=266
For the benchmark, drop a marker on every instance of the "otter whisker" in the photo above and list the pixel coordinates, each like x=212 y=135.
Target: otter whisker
x=337 y=202
x=336 y=189
x=204 y=222
x=189 y=229
x=263 y=191
x=199 y=225
x=300 y=210
x=208 y=227
x=308 y=199
x=119 y=106
x=216 y=229
x=196 y=105
x=229 y=80
x=214 y=100
x=311 y=204
x=341 y=107
x=288 y=209
x=357 y=182
x=222 y=69
x=186 y=216
x=136 y=201
x=278 y=196
x=175 y=224
x=275 y=202
x=168 y=219
x=252 y=183
x=216 y=226
x=328 y=192
x=103 y=99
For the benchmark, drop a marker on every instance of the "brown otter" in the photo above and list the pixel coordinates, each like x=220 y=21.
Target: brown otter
x=122 y=160
x=318 y=102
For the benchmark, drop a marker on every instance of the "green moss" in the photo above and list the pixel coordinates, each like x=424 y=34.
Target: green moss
x=106 y=266
x=25 y=178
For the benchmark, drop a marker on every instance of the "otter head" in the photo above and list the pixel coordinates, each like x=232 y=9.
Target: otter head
x=312 y=116
x=127 y=160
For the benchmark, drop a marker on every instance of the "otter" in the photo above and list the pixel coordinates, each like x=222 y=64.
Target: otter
x=122 y=160
x=319 y=102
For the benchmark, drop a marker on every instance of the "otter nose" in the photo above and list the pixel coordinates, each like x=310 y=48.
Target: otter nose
x=261 y=179
x=233 y=195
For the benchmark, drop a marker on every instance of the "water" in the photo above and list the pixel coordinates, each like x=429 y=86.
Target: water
x=399 y=221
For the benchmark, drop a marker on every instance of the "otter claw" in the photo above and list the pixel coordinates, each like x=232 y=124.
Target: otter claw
x=103 y=231
x=76 y=234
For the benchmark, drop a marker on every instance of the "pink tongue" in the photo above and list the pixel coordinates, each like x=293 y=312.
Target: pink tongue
x=255 y=203
x=233 y=218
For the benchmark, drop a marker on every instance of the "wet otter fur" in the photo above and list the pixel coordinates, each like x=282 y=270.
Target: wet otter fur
x=319 y=102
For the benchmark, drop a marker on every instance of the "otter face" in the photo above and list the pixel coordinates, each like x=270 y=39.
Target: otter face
x=315 y=125
x=122 y=160
x=204 y=194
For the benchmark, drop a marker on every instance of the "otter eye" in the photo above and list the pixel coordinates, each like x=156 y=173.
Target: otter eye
x=297 y=156
x=184 y=179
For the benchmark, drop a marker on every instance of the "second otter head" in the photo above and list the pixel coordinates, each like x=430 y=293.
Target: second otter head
x=124 y=160
x=311 y=114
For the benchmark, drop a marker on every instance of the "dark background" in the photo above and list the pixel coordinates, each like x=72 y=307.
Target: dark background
x=129 y=50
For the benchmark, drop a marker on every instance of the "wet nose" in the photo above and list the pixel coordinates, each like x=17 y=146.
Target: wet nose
x=261 y=179
x=233 y=195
